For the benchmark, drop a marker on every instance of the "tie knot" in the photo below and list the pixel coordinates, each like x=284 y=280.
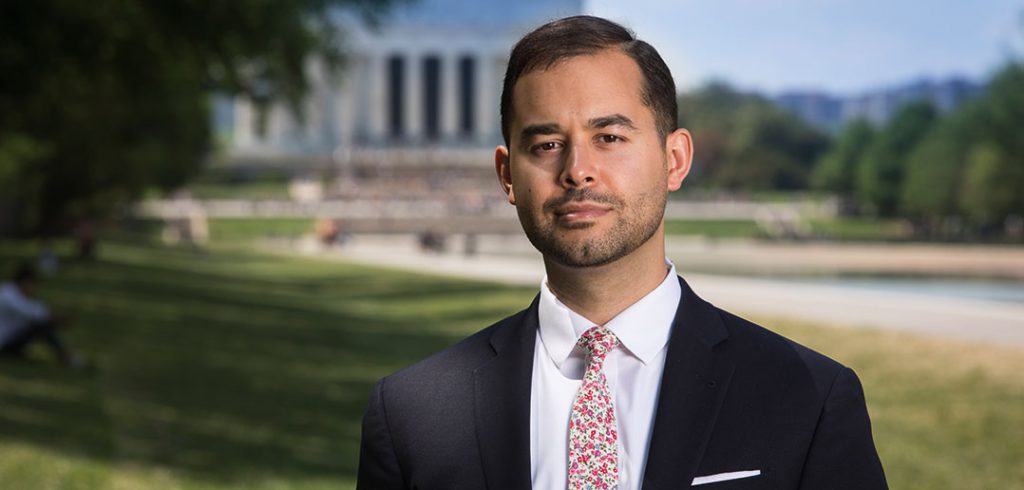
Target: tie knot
x=598 y=341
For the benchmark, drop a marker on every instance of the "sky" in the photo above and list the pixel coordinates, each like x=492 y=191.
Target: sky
x=844 y=47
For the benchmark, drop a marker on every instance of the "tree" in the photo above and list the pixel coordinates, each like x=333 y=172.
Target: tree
x=880 y=171
x=106 y=98
x=710 y=112
x=986 y=198
x=745 y=142
x=971 y=164
x=934 y=170
x=992 y=188
x=771 y=149
x=835 y=170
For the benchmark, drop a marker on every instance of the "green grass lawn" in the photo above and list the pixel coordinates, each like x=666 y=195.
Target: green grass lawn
x=713 y=228
x=861 y=229
x=234 y=369
x=246 y=190
x=252 y=229
x=845 y=229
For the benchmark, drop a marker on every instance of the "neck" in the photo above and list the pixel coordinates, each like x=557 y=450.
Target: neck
x=601 y=292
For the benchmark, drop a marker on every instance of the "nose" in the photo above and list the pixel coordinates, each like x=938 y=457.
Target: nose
x=578 y=169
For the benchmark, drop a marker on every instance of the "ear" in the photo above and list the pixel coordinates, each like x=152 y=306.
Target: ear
x=679 y=155
x=504 y=170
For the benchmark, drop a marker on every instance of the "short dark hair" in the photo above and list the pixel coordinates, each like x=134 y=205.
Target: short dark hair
x=582 y=35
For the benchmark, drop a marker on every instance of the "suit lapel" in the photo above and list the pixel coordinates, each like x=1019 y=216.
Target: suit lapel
x=502 y=404
x=693 y=386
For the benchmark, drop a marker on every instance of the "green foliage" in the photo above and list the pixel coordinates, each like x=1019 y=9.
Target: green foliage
x=957 y=175
x=710 y=114
x=881 y=169
x=835 y=171
x=994 y=180
x=743 y=142
x=18 y=152
x=1002 y=108
x=771 y=150
x=986 y=198
x=972 y=162
x=712 y=106
x=934 y=169
x=110 y=97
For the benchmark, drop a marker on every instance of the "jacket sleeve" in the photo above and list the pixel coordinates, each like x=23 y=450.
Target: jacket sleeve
x=842 y=453
x=378 y=464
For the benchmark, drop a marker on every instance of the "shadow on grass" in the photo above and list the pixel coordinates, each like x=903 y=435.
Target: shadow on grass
x=231 y=366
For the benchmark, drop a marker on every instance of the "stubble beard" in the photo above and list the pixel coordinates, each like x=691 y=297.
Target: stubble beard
x=636 y=224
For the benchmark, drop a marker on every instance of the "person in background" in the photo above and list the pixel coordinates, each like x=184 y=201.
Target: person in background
x=85 y=239
x=24 y=319
x=49 y=262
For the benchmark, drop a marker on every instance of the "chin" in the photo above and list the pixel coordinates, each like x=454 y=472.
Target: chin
x=588 y=251
x=584 y=260
x=578 y=225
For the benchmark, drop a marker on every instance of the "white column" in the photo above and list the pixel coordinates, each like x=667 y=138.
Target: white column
x=244 y=119
x=451 y=100
x=345 y=101
x=280 y=125
x=485 y=95
x=318 y=102
x=375 y=91
x=490 y=69
x=414 y=96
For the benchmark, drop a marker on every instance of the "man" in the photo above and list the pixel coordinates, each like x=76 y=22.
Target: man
x=618 y=375
x=24 y=319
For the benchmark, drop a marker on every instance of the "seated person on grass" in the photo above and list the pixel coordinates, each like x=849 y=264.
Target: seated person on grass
x=23 y=319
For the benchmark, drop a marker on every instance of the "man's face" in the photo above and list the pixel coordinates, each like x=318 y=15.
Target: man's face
x=585 y=167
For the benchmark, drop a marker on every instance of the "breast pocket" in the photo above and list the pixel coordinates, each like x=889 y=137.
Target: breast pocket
x=730 y=480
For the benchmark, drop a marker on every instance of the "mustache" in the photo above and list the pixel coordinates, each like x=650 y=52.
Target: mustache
x=579 y=195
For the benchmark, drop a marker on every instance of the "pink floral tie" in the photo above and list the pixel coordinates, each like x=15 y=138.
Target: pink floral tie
x=593 y=438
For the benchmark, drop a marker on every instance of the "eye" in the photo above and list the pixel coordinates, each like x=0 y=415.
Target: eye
x=546 y=146
x=609 y=138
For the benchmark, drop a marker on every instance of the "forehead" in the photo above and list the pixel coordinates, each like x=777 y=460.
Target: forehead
x=607 y=82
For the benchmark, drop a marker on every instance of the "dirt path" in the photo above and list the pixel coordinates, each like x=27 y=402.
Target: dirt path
x=752 y=258
x=985 y=321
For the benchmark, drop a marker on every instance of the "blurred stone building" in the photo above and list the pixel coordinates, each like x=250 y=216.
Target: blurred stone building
x=830 y=112
x=417 y=101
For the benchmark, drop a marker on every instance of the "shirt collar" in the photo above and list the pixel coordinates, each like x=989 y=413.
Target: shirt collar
x=643 y=328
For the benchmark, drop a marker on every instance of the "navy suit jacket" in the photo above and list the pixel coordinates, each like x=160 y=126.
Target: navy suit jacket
x=734 y=397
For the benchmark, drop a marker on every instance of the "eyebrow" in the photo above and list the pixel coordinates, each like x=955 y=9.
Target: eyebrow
x=611 y=120
x=538 y=129
x=594 y=123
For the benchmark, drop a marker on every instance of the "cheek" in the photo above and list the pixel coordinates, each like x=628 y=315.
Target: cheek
x=525 y=185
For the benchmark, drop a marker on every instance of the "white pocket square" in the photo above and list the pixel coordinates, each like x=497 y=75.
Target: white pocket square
x=732 y=475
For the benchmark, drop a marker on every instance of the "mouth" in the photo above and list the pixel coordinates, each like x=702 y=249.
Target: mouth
x=578 y=212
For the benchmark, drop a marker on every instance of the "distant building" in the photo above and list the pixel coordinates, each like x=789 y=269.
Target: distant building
x=422 y=88
x=816 y=108
x=832 y=112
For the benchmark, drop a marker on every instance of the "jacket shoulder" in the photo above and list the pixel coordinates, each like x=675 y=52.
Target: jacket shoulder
x=460 y=358
x=764 y=348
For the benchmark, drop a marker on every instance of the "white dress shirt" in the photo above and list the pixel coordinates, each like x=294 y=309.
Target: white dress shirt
x=633 y=371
